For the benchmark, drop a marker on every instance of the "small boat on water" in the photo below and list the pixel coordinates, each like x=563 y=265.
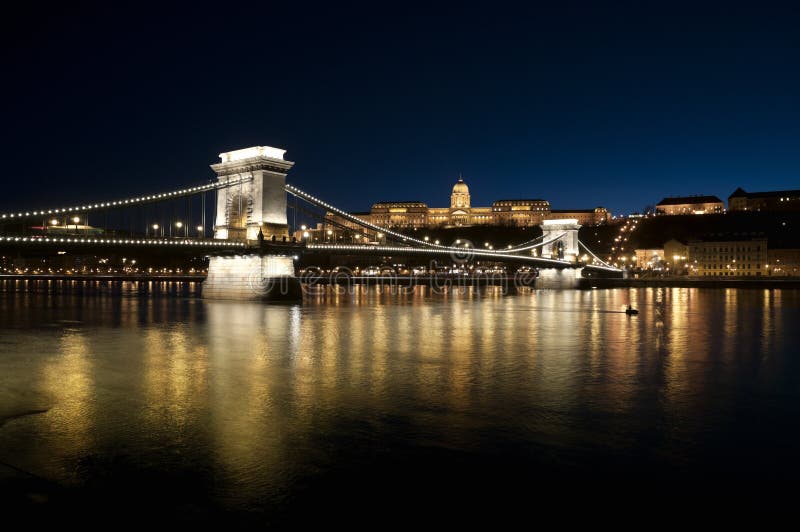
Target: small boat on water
x=630 y=311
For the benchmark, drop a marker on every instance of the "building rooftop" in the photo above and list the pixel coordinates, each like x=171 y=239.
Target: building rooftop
x=404 y=203
x=683 y=200
x=537 y=200
x=730 y=237
x=741 y=193
x=564 y=211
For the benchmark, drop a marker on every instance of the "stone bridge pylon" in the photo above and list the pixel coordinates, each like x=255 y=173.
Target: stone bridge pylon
x=565 y=247
x=255 y=202
x=259 y=201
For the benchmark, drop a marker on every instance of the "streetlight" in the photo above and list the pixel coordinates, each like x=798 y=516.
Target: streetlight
x=155 y=228
x=200 y=231
x=75 y=220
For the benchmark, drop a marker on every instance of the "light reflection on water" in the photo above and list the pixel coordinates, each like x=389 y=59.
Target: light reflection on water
x=247 y=407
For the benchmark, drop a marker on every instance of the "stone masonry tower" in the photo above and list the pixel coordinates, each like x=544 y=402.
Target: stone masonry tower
x=564 y=248
x=258 y=203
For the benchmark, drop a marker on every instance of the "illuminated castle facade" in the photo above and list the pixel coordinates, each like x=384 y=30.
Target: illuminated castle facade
x=460 y=213
x=516 y=212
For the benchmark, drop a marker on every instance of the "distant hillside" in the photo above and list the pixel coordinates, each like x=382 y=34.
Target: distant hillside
x=781 y=229
x=649 y=233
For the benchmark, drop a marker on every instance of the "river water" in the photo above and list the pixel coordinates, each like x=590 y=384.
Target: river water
x=146 y=400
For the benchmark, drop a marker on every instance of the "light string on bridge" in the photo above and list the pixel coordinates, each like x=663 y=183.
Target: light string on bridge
x=140 y=200
x=118 y=241
x=360 y=233
x=471 y=252
x=533 y=246
x=512 y=249
x=595 y=257
x=320 y=203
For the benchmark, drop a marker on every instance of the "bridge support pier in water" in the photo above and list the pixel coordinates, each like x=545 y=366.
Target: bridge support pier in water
x=559 y=278
x=252 y=277
x=252 y=212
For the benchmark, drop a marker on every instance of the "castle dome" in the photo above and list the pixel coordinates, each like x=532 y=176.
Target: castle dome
x=460 y=187
x=459 y=199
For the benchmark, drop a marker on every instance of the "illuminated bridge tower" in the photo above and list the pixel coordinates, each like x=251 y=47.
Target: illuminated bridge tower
x=564 y=248
x=256 y=201
x=257 y=204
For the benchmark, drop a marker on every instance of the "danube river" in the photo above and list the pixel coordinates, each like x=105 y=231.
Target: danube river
x=146 y=400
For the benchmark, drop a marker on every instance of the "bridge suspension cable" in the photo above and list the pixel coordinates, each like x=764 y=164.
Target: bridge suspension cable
x=122 y=241
x=595 y=257
x=344 y=214
x=362 y=233
x=511 y=249
x=129 y=202
x=471 y=252
x=404 y=238
x=522 y=247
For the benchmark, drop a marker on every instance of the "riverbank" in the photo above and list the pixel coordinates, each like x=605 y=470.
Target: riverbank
x=104 y=277
x=690 y=282
x=449 y=280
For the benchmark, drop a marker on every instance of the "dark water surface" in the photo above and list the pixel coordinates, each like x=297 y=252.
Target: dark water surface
x=145 y=400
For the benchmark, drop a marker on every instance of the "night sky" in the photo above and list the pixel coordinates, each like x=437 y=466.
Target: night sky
x=579 y=104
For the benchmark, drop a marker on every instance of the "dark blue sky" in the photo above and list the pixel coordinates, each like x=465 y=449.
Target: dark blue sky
x=582 y=104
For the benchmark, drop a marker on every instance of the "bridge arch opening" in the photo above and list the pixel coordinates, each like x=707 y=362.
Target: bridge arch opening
x=237 y=214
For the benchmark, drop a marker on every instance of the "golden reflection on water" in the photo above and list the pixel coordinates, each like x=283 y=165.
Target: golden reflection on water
x=771 y=319
x=174 y=372
x=678 y=352
x=68 y=375
x=261 y=387
x=730 y=321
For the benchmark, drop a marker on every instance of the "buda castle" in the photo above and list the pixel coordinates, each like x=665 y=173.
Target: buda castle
x=511 y=212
